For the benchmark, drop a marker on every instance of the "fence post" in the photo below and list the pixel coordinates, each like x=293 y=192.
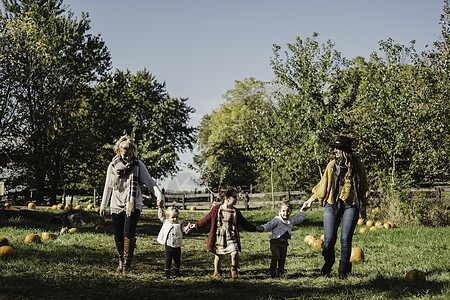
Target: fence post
x=288 y=196
x=438 y=195
x=247 y=198
x=183 y=201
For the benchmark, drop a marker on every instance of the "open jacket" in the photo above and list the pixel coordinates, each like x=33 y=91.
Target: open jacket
x=211 y=218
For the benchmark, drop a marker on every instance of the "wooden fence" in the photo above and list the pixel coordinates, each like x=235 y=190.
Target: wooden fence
x=188 y=200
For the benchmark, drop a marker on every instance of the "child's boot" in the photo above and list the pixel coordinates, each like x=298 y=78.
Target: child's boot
x=167 y=273
x=234 y=271
x=216 y=274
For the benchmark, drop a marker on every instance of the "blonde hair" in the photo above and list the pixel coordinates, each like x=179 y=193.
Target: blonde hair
x=286 y=203
x=171 y=211
x=126 y=143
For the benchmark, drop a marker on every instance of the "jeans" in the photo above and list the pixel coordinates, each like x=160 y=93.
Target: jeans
x=125 y=226
x=348 y=217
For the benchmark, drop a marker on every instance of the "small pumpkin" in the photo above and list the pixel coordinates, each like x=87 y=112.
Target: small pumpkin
x=317 y=244
x=31 y=205
x=357 y=255
x=360 y=221
x=378 y=224
x=387 y=225
x=32 y=238
x=373 y=228
x=60 y=206
x=193 y=208
x=415 y=276
x=322 y=237
x=63 y=230
x=7 y=251
x=392 y=224
x=309 y=239
x=375 y=210
x=68 y=205
x=55 y=206
x=90 y=206
x=4 y=242
x=48 y=235
x=97 y=209
x=74 y=230
x=79 y=207
x=369 y=223
x=363 y=229
x=99 y=228
x=108 y=221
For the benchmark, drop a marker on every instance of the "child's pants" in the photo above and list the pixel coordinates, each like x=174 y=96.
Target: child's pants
x=278 y=247
x=172 y=253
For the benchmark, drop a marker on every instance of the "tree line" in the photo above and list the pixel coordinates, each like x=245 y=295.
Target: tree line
x=394 y=105
x=62 y=108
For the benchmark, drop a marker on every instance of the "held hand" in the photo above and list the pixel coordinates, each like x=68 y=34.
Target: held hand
x=102 y=213
x=259 y=228
x=159 y=203
x=191 y=226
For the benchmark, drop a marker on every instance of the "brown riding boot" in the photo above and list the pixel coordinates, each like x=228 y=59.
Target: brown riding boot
x=128 y=251
x=234 y=271
x=119 y=247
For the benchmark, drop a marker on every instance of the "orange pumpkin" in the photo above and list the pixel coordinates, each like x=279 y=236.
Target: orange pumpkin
x=387 y=225
x=373 y=228
x=360 y=221
x=68 y=205
x=90 y=206
x=317 y=244
x=392 y=224
x=415 y=276
x=63 y=230
x=7 y=251
x=79 y=207
x=4 y=242
x=97 y=209
x=192 y=208
x=55 y=206
x=60 y=206
x=369 y=223
x=74 y=230
x=357 y=254
x=363 y=229
x=378 y=224
x=31 y=205
x=32 y=238
x=99 y=228
x=48 y=235
x=108 y=221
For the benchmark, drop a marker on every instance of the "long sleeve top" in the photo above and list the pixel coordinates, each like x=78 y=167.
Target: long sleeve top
x=279 y=226
x=171 y=234
x=211 y=218
x=118 y=196
x=323 y=190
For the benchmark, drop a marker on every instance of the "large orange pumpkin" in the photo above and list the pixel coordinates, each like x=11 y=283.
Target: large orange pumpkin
x=4 y=242
x=357 y=254
x=31 y=205
x=415 y=276
x=317 y=244
x=369 y=223
x=32 y=238
x=48 y=235
x=7 y=251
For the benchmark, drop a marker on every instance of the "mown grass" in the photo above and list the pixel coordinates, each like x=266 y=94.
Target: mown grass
x=82 y=265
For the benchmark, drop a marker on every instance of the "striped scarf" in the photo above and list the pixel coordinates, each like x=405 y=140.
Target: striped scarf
x=121 y=169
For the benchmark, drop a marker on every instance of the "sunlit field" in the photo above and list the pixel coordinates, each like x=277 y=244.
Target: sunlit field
x=82 y=265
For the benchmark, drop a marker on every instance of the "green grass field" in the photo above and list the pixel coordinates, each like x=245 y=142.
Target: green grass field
x=83 y=265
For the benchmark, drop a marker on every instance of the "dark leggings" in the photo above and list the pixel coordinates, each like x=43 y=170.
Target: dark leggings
x=174 y=253
x=125 y=226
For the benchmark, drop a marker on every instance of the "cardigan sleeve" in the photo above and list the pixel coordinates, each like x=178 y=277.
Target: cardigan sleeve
x=322 y=191
x=145 y=178
x=107 y=191
x=270 y=225
x=205 y=220
x=243 y=222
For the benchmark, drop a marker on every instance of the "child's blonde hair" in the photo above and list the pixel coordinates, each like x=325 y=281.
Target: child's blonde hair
x=171 y=211
x=125 y=142
x=286 y=203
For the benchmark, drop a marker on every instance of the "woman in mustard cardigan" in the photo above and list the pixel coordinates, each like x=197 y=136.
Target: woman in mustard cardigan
x=343 y=191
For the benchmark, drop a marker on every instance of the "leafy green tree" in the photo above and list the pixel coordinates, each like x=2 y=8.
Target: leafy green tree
x=227 y=138
x=140 y=106
x=52 y=61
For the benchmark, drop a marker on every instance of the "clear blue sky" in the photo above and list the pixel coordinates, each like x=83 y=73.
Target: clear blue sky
x=200 y=47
